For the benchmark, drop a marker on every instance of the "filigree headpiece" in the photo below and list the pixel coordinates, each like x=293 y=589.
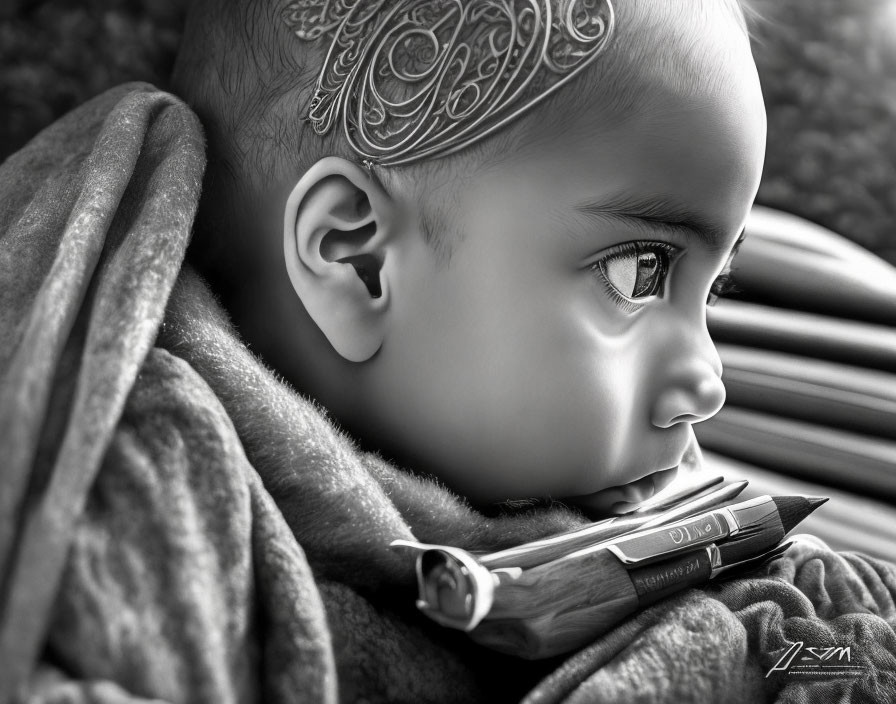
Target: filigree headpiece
x=417 y=79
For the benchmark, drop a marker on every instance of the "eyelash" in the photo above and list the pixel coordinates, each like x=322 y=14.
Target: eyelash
x=722 y=286
x=630 y=249
x=626 y=304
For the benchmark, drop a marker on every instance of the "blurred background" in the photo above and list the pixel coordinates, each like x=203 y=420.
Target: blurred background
x=828 y=69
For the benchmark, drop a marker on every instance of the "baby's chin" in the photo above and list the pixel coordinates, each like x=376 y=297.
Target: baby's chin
x=625 y=498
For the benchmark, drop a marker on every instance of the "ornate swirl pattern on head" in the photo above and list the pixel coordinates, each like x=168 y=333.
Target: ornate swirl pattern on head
x=417 y=79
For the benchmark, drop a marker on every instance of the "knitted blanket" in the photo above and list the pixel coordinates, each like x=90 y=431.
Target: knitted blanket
x=178 y=525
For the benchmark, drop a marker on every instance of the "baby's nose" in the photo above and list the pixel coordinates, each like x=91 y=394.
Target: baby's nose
x=692 y=390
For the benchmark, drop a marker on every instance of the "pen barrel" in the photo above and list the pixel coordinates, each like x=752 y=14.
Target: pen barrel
x=561 y=605
x=544 y=551
x=557 y=607
x=661 y=543
x=765 y=531
x=659 y=580
x=537 y=552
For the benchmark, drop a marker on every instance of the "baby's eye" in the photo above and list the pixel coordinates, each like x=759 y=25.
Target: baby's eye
x=635 y=272
x=722 y=286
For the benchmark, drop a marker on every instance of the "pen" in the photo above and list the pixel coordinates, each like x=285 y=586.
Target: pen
x=591 y=587
x=657 y=581
x=542 y=589
x=548 y=549
x=572 y=618
x=779 y=514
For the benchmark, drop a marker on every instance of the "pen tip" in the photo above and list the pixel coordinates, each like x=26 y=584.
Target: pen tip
x=793 y=509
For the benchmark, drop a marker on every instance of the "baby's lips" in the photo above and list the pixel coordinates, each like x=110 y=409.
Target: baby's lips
x=638 y=491
x=644 y=489
x=625 y=498
x=664 y=478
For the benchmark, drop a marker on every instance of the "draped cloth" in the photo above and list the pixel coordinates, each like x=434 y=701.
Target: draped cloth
x=178 y=525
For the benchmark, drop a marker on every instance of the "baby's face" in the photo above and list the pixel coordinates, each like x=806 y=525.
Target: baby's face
x=563 y=351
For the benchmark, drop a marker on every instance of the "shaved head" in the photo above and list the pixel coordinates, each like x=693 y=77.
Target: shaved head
x=250 y=79
x=659 y=49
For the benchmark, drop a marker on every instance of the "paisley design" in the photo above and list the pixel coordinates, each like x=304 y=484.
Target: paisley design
x=417 y=79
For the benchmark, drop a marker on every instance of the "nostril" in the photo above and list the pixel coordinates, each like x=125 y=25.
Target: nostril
x=686 y=418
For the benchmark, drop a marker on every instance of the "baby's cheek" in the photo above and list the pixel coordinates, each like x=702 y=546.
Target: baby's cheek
x=590 y=413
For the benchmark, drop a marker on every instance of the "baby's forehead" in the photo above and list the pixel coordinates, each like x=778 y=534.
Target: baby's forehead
x=660 y=65
x=663 y=56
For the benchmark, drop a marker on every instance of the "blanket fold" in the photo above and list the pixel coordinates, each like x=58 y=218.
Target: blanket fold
x=674 y=651
x=96 y=218
x=178 y=525
x=180 y=575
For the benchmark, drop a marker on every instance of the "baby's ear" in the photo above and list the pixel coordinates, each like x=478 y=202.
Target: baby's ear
x=338 y=227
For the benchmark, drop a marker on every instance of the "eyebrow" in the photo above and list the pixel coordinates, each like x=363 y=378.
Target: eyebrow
x=661 y=213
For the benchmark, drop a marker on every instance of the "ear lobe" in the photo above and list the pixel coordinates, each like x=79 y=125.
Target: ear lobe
x=337 y=227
